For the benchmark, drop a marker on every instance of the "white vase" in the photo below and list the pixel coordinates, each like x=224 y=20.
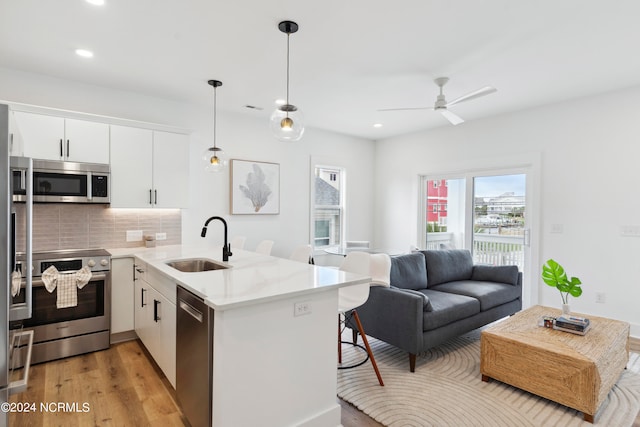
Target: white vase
x=566 y=310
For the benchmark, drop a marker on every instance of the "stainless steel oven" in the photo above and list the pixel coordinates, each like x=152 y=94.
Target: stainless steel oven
x=63 y=332
x=64 y=182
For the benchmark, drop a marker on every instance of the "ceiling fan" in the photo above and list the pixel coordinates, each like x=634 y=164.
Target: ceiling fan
x=442 y=106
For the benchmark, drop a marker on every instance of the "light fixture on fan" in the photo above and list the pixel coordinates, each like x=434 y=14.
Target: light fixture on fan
x=214 y=157
x=287 y=121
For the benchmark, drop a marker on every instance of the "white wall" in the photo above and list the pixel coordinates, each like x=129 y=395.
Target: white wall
x=589 y=153
x=241 y=136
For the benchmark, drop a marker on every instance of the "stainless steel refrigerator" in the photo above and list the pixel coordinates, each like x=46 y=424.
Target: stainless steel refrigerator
x=15 y=303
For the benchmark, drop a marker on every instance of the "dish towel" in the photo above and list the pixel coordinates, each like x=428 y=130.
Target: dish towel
x=67 y=283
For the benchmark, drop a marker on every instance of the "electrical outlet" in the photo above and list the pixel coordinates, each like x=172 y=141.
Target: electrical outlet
x=601 y=297
x=630 y=231
x=301 y=308
x=161 y=236
x=557 y=228
x=134 y=235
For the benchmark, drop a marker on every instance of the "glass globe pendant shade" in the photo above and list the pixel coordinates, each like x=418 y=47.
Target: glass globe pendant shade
x=287 y=123
x=215 y=159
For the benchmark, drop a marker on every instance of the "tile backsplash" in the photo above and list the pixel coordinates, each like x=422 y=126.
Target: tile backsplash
x=76 y=226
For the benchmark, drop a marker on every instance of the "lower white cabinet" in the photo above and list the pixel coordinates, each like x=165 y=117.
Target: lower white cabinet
x=122 y=295
x=155 y=319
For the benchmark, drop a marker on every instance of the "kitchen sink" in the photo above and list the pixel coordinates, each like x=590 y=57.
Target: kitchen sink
x=195 y=265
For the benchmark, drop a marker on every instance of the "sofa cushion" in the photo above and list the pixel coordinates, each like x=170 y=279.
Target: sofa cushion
x=501 y=274
x=448 y=266
x=490 y=294
x=447 y=308
x=409 y=271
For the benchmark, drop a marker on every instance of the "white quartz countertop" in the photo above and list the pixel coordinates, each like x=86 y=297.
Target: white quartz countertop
x=252 y=278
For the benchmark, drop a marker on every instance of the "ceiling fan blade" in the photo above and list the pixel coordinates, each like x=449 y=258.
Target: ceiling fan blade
x=453 y=118
x=472 y=95
x=410 y=108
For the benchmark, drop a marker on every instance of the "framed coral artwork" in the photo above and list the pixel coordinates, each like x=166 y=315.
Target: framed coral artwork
x=255 y=187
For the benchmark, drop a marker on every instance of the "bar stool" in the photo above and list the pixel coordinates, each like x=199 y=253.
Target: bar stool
x=302 y=254
x=264 y=247
x=349 y=299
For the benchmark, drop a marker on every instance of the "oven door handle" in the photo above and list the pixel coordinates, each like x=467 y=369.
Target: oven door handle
x=38 y=283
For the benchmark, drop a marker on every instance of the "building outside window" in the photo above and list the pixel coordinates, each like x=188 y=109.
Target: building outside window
x=328 y=210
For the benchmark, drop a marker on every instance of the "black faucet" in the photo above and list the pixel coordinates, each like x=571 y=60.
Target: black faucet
x=226 y=249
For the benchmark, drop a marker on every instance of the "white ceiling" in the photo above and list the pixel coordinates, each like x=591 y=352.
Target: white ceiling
x=349 y=58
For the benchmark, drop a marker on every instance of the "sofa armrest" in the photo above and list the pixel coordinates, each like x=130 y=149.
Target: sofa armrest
x=395 y=316
x=496 y=273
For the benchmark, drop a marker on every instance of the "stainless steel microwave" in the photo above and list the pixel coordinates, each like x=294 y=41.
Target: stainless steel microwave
x=65 y=182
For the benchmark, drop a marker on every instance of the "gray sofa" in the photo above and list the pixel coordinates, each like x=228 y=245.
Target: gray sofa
x=437 y=295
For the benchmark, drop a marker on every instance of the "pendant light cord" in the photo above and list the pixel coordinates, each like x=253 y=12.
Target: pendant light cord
x=214 y=117
x=288 y=36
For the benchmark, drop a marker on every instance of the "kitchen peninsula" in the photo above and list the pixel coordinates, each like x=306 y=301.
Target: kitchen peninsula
x=274 y=332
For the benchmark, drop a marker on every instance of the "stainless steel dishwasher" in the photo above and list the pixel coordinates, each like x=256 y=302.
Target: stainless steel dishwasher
x=194 y=358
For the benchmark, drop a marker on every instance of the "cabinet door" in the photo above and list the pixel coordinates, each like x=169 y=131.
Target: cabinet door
x=131 y=167
x=16 y=143
x=142 y=314
x=166 y=324
x=43 y=135
x=170 y=170
x=86 y=141
x=122 y=295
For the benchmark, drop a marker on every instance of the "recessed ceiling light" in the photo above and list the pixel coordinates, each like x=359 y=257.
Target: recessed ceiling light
x=280 y=101
x=96 y=2
x=377 y=125
x=84 y=53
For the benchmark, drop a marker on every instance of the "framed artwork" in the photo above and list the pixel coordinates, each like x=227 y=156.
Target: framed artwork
x=255 y=188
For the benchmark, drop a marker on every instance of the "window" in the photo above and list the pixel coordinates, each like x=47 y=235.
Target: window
x=328 y=209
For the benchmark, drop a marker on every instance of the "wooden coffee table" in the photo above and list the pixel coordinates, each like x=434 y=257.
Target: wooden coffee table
x=573 y=370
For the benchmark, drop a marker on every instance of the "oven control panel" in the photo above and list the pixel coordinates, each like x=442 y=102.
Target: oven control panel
x=98 y=260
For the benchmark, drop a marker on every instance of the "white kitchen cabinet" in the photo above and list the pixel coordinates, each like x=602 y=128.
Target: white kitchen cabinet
x=16 y=143
x=122 y=296
x=170 y=170
x=58 y=138
x=155 y=318
x=148 y=168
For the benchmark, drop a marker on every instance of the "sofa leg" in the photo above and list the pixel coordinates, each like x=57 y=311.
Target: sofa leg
x=412 y=362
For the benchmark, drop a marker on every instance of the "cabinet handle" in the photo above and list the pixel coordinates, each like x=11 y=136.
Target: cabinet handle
x=67 y=148
x=61 y=153
x=156 y=196
x=150 y=200
x=156 y=303
x=142 y=291
x=11 y=143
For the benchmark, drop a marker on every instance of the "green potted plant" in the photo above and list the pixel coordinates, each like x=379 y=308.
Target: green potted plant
x=554 y=275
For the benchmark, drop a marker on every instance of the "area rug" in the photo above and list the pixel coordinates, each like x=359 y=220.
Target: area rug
x=446 y=390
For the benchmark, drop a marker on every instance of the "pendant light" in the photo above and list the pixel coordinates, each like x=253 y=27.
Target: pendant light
x=286 y=121
x=214 y=157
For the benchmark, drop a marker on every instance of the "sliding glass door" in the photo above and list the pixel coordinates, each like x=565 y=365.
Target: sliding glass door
x=499 y=219
x=485 y=212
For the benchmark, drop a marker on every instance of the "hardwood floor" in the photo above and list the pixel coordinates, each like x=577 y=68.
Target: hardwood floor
x=121 y=386
x=115 y=387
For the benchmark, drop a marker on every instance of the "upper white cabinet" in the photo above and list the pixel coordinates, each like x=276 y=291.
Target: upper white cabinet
x=170 y=170
x=149 y=168
x=16 y=144
x=58 y=138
